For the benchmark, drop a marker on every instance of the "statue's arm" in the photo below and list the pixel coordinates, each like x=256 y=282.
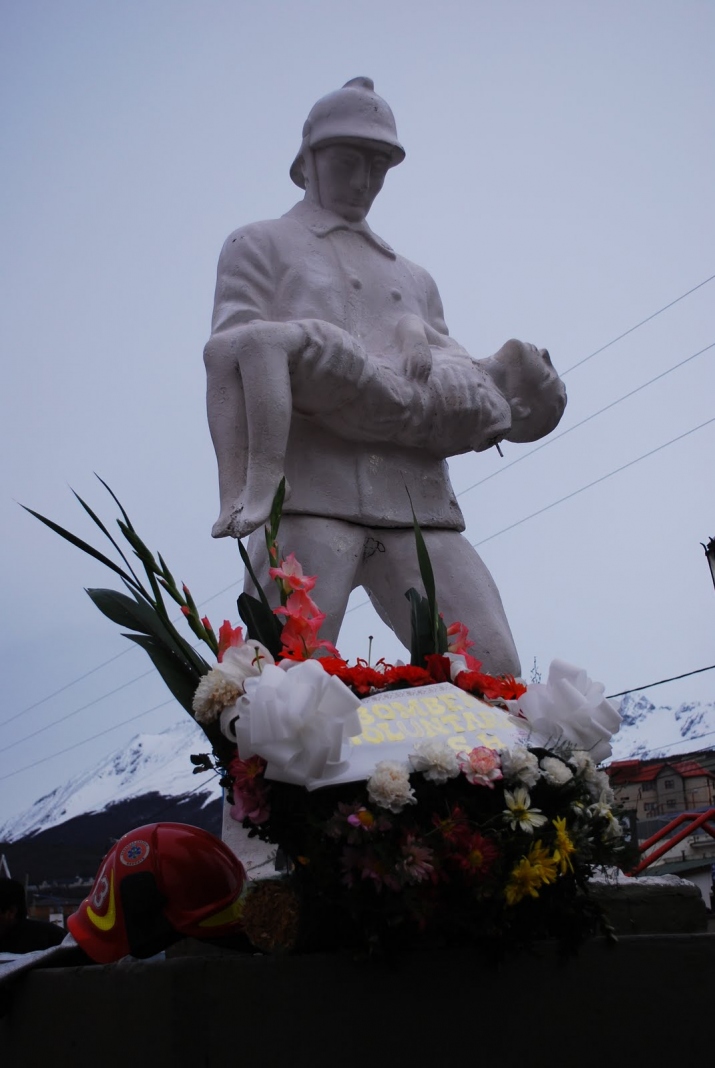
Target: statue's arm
x=246 y=279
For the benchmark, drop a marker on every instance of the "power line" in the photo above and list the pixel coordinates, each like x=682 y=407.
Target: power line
x=595 y=482
x=462 y=492
x=104 y=663
x=60 y=752
x=674 y=678
x=557 y=437
x=575 y=493
x=130 y=649
x=83 y=708
x=636 y=327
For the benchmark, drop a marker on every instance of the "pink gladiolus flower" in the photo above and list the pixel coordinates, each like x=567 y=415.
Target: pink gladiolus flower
x=290 y=575
x=228 y=636
x=482 y=766
x=300 y=606
x=458 y=639
x=299 y=638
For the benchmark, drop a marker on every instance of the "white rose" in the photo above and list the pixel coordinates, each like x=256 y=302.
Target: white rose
x=389 y=786
x=571 y=706
x=519 y=765
x=435 y=760
x=555 y=771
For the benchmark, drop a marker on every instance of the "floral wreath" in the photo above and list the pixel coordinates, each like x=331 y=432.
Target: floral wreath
x=485 y=846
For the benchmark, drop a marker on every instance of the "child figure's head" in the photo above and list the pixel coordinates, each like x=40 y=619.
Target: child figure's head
x=536 y=395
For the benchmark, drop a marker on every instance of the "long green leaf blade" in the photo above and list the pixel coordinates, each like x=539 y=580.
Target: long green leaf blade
x=249 y=568
x=422 y=639
x=179 y=681
x=104 y=530
x=78 y=543
x=261 y=623
x=116 y=500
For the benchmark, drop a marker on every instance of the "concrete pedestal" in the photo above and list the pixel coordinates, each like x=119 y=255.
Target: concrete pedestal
x=644 y=1001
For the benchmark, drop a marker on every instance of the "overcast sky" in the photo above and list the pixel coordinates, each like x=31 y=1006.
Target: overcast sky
x=557 y=186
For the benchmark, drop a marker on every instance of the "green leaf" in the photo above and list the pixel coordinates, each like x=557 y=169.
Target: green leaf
x=73 y=540
x=123 y=610
x=261 y=623
x=180 y=680
x=249 y=568
x=439 y=639
x=104 y=530
x=422 y=637
x=144 y=618
x=116 y=500
x=274 y=519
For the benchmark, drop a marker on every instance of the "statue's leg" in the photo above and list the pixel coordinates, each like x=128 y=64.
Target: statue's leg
x=328 y=548
x=465 y=591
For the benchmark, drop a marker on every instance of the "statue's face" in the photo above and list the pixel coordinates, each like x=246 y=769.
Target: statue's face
x=349 y=178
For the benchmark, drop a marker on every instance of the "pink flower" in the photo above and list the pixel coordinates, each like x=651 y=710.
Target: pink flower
x=228 y=637
x=300 y=640
x=416 y=861
x=290 y=576
x=370 y=866
x=300 y=633
x=250 y=790
x=300 y=606
x=481 y=766
x=458 y=639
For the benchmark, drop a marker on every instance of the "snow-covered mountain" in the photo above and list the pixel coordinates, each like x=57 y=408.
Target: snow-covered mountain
x=151 y=763
x=159 y=764
x=648 y=730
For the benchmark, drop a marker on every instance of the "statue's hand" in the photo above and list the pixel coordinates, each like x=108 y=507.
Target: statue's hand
x=412 y=343
x=418 y=360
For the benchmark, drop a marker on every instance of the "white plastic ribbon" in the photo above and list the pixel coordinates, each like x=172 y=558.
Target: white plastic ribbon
x=571 y=706
x=297 y=718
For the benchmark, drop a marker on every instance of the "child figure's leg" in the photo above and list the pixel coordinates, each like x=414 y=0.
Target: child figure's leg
x=249 y=410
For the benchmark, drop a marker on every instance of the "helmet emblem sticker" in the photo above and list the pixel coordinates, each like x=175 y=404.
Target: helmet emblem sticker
x=100 y=892
x=134 y=853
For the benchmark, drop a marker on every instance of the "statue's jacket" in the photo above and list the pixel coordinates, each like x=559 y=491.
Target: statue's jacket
x=313 y=265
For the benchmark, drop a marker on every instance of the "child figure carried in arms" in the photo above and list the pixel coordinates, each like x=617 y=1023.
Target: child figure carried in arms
x=425 y=392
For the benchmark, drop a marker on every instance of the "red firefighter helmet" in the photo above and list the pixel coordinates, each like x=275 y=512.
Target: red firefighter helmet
x=157 y=883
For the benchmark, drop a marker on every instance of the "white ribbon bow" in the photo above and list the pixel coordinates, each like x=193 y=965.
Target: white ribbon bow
x=571 y=706
x=297 y=718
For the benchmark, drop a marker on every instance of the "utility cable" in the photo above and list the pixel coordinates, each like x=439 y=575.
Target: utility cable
x=557 y=437
x=674 y=678
x=83 y=708
x=595 y=482
x=130 y=649
x=91 y=671
x=637 y=326
x=60 y=752
x=575 y=493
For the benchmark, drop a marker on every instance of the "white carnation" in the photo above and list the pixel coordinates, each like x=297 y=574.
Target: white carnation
x=598 y=784
x=519 y=765
x=214 y=693
x=580 y=760
x=389 y=786
x=555 y=771
x=435 y=760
